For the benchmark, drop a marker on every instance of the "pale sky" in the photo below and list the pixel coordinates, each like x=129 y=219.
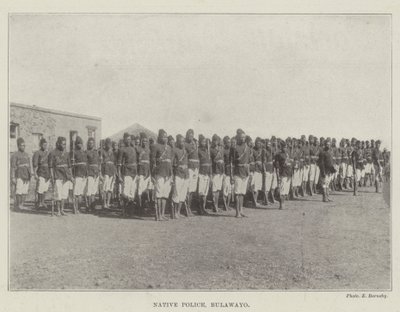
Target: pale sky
x=267 y=74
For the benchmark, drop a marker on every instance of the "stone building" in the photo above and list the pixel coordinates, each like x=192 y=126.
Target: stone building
x=33 y=123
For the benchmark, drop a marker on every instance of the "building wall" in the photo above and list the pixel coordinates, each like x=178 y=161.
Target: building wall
x=33 y=121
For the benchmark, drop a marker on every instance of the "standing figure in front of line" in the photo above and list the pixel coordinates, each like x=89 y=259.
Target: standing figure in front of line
x=127 y=169
x=109 y=171
x=61 y=174
x=218 y=169
x=161 y=169
x=93 y=172
x=143 y=170
x=241 y=171
x=21 y=173
x=80 y=173
x=41 y=171
x=283 y=172
x=327 y=169
x=181 y=177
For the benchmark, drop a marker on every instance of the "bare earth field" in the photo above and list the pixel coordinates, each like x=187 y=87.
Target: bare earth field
x=310 y=245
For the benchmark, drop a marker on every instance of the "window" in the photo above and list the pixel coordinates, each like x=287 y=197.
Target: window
x=14 y=130
x=14 y=134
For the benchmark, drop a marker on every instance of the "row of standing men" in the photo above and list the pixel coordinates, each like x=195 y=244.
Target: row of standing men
x=180 y=170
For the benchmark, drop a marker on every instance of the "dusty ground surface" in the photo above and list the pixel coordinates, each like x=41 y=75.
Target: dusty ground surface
x=310 y=245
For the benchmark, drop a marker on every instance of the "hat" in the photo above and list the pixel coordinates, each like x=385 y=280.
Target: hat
x=170 y=138
x=378 y=142
x=161 y=133
x=126 y=134
x=143 y=135
x=201 y=137
x=258 y=139
x=226 y=138
x=273 y=138
x=239 y=131
x=60 y=139
x=179 y=136
x=78 y=140
x=248 y=139
x=282 y=144
x=190 y=131
x=108 y=141
x=20 y=141
x=215 y=137
x=42 y=141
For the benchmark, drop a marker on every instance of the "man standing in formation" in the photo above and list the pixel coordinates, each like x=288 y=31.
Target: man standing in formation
x=181 y=177
x=204 y=173
x=218 y=169
x=108 y=171
x=127 y=169
x=61 y=174
x=161 y=168
x=21 y=172
x=327 y=169
x=241 y=171
x=79 y=162
x=193 y=166
x=41 y=171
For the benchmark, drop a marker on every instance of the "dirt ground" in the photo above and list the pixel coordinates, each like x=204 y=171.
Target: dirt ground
x=310 y=245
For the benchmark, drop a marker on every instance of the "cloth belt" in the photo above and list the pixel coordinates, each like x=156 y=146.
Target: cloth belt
x=243 y=165
x=165 y=160
x=93 y=165
x=205 y=165
x=258 y=162
x=194 y=160
x=130 y=165
x=144 y=161
x=23 y=165
x=80 y=163
x=183 y=166
x=110 y=162
x=220 y=161
x=62 y=166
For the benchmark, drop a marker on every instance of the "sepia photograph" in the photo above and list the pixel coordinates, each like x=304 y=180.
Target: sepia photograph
x=199 y=152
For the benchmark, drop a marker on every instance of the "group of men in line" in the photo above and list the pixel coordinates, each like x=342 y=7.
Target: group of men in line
x=181 y=171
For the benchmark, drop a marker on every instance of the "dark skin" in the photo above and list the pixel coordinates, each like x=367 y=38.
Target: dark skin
x=144 y=144
x=257 y=147
x=216 y=144
x=203 y=201
x=239 y=197
x=40 y=201
x=20 y=199
x=162 y=202
x=127 y=142
x=91 y=199
x=60 y=203
x=107 y=197
x=178 y=206
x=227 y=199
x=78 y=198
